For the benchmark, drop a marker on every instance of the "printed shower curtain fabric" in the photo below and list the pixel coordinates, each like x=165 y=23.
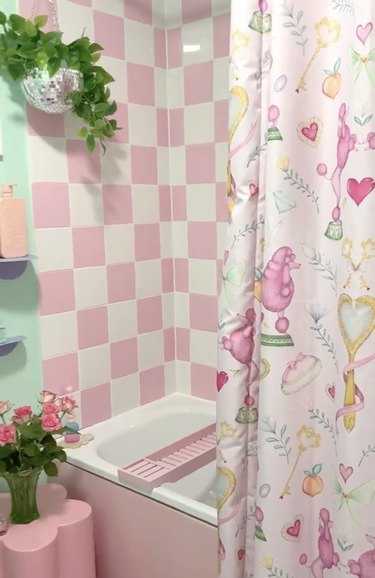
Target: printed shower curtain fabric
x=296 y=388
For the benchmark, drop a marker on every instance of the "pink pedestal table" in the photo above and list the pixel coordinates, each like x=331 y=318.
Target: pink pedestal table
x=58 y=545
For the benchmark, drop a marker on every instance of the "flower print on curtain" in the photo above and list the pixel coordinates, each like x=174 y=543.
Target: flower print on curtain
x=295 y=427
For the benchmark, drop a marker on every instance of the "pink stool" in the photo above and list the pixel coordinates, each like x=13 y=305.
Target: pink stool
x=58 y=545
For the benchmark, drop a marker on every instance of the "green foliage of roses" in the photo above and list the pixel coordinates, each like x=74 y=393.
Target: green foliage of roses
x=24 y=47
x=34 y=448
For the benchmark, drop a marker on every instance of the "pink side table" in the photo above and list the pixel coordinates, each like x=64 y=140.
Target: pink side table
x=58 y=545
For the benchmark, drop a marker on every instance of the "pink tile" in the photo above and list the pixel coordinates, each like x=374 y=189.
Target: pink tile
x=121 y=282
x=162 y=127
x=95 y=404
x=181 y=274
x=200 y=163
x=193 y=10
x=221 y=203
x=92 y=327
x=167 y=275
x=141 y=84
x=219 y=274
x=203 y=312
x=174 y=48
x=149 y=314
x=124 y=357
x=182 y=344
x=179 y=203
x=221 y=35
x=56 y=292
x=117 y=201
x=202 y=240
x=203 y=381
x=169 y=344
x=165 y=203
x=60 y=374
x=199 y=83
x=147 y=241
x=221 y=121
x=152 y=384
x=51 y=205
x=109 y=33
x=144 y=165
x=177 y=126
x=83 y=167
x=140 y=10
x=24 y=9
x=121 y=115
x=88 y=246
x=42 y=124
x=160 y=48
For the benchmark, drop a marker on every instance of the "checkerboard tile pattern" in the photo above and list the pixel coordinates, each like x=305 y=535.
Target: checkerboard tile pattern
x=129 y=244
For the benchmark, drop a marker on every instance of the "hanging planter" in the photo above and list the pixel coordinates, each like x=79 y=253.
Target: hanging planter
x=55 y=76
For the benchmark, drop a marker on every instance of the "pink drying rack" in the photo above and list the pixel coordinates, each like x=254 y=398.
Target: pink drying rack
x=174 y=461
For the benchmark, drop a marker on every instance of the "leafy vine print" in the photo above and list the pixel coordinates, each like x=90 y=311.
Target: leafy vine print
x=344 y=6
x=296 y=28
x=328 y=270
x=293 y=178
x=279 y=441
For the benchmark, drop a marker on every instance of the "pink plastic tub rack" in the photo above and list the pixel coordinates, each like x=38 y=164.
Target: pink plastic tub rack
x=174 y=461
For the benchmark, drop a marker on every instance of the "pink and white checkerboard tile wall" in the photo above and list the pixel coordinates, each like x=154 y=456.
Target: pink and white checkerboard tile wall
x=128 y=243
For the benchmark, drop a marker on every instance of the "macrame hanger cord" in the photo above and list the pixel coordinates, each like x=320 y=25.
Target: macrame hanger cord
x=52 y=6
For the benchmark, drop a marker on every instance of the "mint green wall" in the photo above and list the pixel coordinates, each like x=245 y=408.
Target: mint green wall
x=21 y=371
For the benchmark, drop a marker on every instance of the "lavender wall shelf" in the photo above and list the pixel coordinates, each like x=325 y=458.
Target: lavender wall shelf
x=12 y=268
x=9 y=344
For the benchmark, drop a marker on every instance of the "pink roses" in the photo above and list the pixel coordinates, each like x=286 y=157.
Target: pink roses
x=8 y=434
x=50 y=422
x=4 y=407
x=22 y=414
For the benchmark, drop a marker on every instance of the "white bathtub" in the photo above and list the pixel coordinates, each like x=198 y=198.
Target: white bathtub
x=135 y=434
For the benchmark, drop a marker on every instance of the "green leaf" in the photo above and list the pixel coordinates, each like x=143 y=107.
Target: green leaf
x=31 y=450
x=53 y=66
x=112 y=108
x=51 y=469
x=16 y=69
x=40 y=461
x=5 y=451
x=30 y=28
x=317 y=469
x=41 y=21
x=307 y=473
x=83 y=132
x=3 y=467
x=260 y=534
x=101 y=107
x=337 y=65
x=17 y=23
x=41 y=60
x=95 y=47
x=90 y=142
x=3 y=18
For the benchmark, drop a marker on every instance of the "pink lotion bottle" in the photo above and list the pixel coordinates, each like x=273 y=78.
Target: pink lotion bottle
x=13 y=227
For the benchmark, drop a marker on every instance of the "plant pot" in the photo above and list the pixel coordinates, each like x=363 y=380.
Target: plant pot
x=22 y=488
x=52 y=93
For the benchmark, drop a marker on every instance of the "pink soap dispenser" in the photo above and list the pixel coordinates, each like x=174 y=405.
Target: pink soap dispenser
x=13 y=226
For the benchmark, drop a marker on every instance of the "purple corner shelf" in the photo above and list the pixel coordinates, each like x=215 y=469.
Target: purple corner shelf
x=9 y=344
x=12 y=268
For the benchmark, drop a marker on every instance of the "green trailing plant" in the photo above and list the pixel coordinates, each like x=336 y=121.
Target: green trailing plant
x=24 y=47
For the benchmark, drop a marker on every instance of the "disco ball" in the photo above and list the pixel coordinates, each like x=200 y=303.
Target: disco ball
x=51 y=93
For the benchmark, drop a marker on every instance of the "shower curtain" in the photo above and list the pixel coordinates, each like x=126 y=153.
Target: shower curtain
x=296 y=370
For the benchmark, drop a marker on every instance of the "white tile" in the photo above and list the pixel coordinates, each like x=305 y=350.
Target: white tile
x=163 y=165
x=173 y=13
x=181 y=310
x=170 y=377
x=203 y=347
x=148 y=278
x=158 y=13
x=122 y=320
x=115 y=7
x=90 y=287
x=220 y=7
x=145 y=199
x=166 y=246
x=202 y=276
x=59 y=334
x=119 y=243
x=142 y=125
x=86 y=205
x=116 y=164
x=201 y=202
x=175 y=88
x=73 y=125
x=177 y=163
x=221 y=78
x=94 y=366
x=194 y=35
x=117 y=68
x=75 y=20
x=161 y=98
x=199 y=123
x=54 y=248
x=183 y=377
x=150 y=350
x=221 y=161
x=180 y=240
x=139 y=42
x=125 y=393
x=168 y=310
x=48 y=159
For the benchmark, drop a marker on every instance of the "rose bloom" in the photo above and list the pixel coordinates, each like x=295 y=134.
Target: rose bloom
x=50 y=407
x=46 y=396
x=67 y=403
x=22 y=414
x=4 y=407
x=50 y=422
x=7 y=434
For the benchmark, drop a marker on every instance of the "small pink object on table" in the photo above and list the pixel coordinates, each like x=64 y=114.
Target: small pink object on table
x=58 y=545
